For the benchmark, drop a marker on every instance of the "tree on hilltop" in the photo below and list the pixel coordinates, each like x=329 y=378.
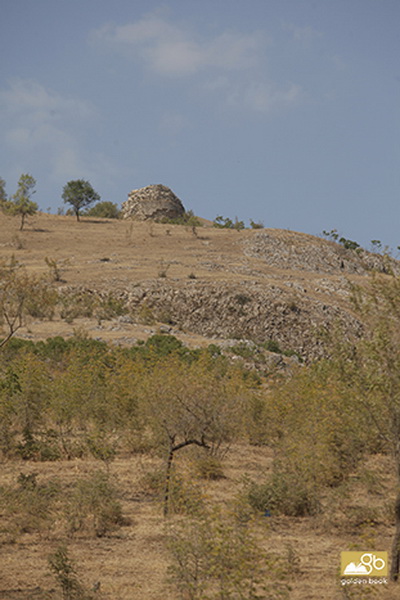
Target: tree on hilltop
x=3 y=193
x=21 y=203
x=79 y=194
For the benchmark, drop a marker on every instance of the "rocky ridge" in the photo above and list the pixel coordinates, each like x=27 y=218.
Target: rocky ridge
x=301 y=253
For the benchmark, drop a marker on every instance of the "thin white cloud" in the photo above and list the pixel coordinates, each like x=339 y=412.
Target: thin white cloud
x=41 y=126
x=173 y=50
x=231 y=67
x=28 y=97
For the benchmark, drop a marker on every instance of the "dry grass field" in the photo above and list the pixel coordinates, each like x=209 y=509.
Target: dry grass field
x=131 y=562
x=114 y=255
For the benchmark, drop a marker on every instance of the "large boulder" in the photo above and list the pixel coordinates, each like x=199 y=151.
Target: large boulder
x=154 y=202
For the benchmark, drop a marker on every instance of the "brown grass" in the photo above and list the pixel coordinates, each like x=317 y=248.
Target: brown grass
x=112 y=255
x=132 y=561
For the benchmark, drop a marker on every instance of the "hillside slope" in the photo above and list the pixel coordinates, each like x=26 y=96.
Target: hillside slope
x=204 y=284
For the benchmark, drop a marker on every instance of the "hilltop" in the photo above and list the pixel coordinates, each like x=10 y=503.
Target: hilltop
x=203 y=284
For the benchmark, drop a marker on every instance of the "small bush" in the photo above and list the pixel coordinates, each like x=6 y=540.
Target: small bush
x=272 y=346
x=254 y=225
x=163 y=344
x=184 y=496
x=77 y=304
x=244 y=350
x=41 y=299
x=214 y=556
x=93 y=506
x=287 y=493
x=104 y=210
x=28 y=507
x=163 y=268
x=109 y=307
x=226 y=223
x=55 y=268
x=188 y=219
x=39 y=447
x=66 y=575
x=208 y=467
x=145 y=314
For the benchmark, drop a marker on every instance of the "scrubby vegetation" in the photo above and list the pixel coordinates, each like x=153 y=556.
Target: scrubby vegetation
x=84 y=401
x=104 y=210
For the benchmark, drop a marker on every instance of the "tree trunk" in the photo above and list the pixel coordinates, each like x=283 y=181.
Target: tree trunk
x=173 y=448
x=168 y=480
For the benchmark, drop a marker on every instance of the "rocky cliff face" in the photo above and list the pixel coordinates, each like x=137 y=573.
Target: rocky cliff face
x=154 y=202
x=240 y=311
x=248 y=311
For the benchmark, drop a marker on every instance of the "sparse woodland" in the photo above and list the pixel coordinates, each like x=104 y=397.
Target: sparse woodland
x=236 y=469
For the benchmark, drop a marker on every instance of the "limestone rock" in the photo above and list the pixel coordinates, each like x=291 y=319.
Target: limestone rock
x=154 y=202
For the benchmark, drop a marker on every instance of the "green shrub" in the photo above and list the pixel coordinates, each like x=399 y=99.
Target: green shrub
x=188 y=219
x=39 y=447
x=286 y=492
x=254 y=225
x=214 y=556
x=66 y=575
x=272 y=346
x=93 y=506
x=163 y=344
x=244 y=350
x=109 y=307
x=208 y=467
x=184 y=496
x=104 y=210
x=227 y=223
x=77 y=304
x=28 y=507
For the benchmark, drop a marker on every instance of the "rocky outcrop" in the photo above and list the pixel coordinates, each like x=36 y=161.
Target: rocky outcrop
x=301 y=252
x=249 y=311
x=154 y=202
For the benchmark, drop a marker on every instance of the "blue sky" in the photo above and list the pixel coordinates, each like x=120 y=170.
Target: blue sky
x=280 y=111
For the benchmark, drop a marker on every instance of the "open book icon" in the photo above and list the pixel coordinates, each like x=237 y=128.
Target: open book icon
x=353 y=569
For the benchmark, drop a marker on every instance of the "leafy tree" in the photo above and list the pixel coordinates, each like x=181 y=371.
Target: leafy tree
x=226 y=223
x=21 y=295
x=3 y=194
x=191 y=404
x=79 y=194
x=21 y=203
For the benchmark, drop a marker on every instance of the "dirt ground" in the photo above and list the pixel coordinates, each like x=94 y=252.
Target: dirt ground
x=132 y=562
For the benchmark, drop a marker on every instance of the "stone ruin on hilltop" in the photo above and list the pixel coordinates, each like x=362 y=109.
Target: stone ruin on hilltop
x=154 y=202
